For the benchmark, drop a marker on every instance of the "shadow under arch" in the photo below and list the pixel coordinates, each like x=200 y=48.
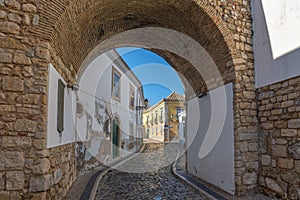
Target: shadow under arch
x=82 y=25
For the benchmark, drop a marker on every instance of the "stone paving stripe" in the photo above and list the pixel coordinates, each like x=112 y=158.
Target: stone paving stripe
x=89 y=186
x=189 y=179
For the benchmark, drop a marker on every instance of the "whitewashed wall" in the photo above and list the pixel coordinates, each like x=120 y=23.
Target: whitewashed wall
x=181 y=127
x=118 y=109
x=68 y=135
x=87 y=94
x=276 y=25
x=210 y=140
x=95 y=87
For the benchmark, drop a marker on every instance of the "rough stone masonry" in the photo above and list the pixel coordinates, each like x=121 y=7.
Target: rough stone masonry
x=34 y=33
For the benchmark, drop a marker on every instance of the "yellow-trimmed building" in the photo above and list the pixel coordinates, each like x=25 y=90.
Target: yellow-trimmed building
x=161 y=120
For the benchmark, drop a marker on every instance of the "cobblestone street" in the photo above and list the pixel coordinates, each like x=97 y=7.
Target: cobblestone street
x=146 y=176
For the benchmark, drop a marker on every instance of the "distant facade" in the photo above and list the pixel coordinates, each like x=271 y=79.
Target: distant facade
x=181 y=127
x=161 y=120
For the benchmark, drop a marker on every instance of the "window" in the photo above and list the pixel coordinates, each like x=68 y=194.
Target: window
x=116 y=76
x=131 y=97
x=161 y=115
x=152 y=119
x=178 y=110
x=60 y=106
x=156 y=117
x=147 y=122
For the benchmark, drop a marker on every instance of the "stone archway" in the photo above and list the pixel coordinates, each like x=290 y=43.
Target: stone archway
x=65 y=32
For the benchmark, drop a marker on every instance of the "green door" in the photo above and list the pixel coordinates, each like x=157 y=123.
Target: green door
x=115 y=139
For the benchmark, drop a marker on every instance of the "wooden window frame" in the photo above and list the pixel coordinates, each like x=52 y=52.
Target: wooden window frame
x=115 y=71
x=131 y=92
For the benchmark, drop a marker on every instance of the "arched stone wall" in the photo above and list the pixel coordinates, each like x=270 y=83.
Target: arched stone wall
x=90 y=22
x=64 y=32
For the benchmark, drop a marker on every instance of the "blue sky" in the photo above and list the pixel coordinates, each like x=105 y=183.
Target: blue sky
x=158 y=78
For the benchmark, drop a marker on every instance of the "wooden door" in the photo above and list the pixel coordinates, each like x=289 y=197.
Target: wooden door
x=115 y=139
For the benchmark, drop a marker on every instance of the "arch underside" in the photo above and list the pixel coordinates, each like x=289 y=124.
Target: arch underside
x=83 y=25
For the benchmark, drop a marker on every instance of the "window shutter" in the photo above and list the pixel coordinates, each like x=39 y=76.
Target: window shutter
x=60 y=106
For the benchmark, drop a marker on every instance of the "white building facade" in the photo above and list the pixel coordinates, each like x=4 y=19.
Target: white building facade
x=100 y=115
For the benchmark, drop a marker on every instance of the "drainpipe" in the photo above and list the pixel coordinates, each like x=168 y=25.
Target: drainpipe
x=137 y=138
x=166 y=127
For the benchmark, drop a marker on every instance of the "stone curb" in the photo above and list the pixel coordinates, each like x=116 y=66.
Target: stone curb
x=95 y=187
x=193 y=183
x=107 y=169
x=197 y=186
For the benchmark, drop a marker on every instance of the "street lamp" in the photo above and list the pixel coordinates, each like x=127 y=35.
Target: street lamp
x=73 y=87
x=201 y=95
x=144 y=106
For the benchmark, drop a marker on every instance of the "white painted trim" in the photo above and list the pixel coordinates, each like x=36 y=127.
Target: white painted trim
x=68 y=135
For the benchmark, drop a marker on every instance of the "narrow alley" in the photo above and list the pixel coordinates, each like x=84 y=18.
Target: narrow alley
x=128 y=181
x=98 y=96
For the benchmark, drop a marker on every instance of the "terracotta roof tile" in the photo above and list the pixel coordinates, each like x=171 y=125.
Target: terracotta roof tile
x=175 y=97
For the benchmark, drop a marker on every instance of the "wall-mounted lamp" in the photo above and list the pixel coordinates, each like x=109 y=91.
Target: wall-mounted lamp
x=144 y=106
x=74 y=87
x=201 y=95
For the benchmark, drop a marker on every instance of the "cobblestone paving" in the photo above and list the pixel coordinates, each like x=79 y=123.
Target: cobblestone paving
x=146 y=176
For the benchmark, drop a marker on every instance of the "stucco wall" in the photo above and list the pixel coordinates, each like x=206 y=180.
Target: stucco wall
x=276 y=40
x=98 y=109
x=173 y=121
x=276 y=50
x=210 y=154
x=68 y=135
